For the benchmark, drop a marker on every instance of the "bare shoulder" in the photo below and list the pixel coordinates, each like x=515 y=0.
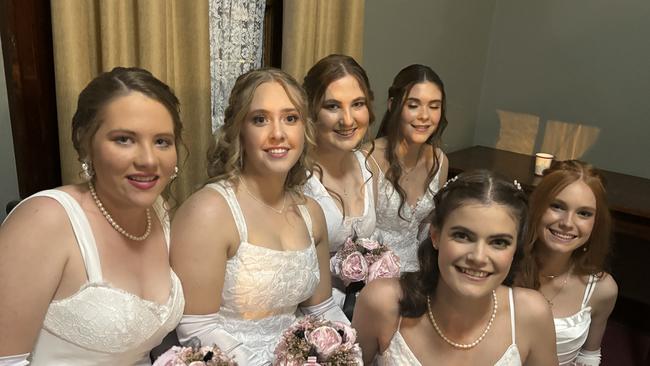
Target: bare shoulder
x=205 y=214
x=530 y=306
x=605 y=293
x=381 y=296
x=40 y=223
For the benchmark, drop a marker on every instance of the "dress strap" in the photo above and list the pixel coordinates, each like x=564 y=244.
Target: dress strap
x=305 y=216
x=82 y=231
x=512 y=314
x=366 y=174
x=162 y=212
x=375 y=161
x=589 y=290
x=225 y=189
x=399 y=323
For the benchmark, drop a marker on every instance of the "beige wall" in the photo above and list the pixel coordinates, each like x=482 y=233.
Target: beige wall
x=451 y=37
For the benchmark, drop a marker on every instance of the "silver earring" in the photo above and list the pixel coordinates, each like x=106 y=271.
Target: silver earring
x=584 y=248
x=87 y=172
x=175 y=175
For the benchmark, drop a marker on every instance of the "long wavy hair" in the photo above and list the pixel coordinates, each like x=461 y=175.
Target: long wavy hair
x=479 y=186
x=390 y=124
x=592 y=260
x=319 y=77
x=225 y=157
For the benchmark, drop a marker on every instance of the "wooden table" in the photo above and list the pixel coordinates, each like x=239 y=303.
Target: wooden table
x=629 y=201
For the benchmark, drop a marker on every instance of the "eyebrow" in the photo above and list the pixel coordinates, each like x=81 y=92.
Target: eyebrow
x=131 y=132
x=495 y=236
x=419 y=101
x=579 y=208
x=262 y=110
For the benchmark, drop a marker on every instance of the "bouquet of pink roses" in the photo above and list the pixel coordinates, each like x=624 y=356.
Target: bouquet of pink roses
x=194 y=356
x=315 y=341
x=364 y=260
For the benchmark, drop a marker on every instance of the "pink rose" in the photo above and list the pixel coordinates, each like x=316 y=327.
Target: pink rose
x=369 y=244
x=169 y=358
x=386 y=266
x=197 y=363
x=349 y=333
x=354 y=268
x=311 y=361
x=325 y=339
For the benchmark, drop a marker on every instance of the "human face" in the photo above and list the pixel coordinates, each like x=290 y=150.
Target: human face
x=568 y=221
x=343 y=117
x=421 y=112
x=273 y=134
x=133 y=151
x=475 y=248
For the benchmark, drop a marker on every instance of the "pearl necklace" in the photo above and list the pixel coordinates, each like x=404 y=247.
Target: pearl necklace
x=461 y=345
x=114 y=224
x=277 y=211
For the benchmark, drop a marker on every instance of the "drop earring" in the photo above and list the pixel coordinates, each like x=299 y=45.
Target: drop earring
x=87 y=172
x=175 y=175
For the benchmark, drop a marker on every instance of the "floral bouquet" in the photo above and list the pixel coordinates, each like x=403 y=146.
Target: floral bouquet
x=364 y=260
x=194 y=356
x=317 y=342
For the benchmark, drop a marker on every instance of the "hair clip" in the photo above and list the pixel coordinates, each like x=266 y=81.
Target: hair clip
x=517 y=185
x=451 y=180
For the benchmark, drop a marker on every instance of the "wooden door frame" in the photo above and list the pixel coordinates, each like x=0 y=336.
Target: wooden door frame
x=26 y=31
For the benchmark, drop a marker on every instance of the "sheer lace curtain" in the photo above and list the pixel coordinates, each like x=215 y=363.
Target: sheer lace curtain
x=236 y=38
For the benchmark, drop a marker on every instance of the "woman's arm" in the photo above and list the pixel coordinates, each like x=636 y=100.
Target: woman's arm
x=203 y=234
x=602 y=303
x=35 y=244
x=534 y=321
x=376 y=316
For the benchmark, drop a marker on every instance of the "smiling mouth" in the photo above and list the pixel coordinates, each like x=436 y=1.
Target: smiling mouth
x=562 y=236
x=143 y=179
x=473 y=272
x=421 y=128
x=277 y=152
x=346 y=133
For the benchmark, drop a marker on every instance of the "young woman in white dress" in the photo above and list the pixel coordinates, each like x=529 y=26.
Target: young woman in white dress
x=340 y=104
x=455 y=309
x=565 y=260
x=84 y=270
x=249 y=247
x=411 y=165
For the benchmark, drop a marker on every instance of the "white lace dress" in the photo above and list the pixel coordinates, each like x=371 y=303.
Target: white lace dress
x=101 y=324
x=340 y=228
x=263 y=287
x=401 y=234
x=398 y=352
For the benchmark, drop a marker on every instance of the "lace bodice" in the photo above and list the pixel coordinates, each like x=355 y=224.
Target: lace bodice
x=401 y=235
x=571 y=332
x=101 y=324
x=398 y=352
x=263 y=287
x=338 y=227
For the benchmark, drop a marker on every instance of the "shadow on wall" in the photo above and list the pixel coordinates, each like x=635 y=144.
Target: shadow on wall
x=566 y=140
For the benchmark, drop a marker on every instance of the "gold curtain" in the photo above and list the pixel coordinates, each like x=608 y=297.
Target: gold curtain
x=313 y=29
x=167 y=37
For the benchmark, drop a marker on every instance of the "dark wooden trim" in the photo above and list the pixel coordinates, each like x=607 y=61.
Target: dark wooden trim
x=26 y=31
x=273 y=34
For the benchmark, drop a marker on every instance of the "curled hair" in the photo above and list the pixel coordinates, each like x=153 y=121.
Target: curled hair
x=479 y=186
x=106 y=87
x=390 y=124
x=326 y=71
x=225 y=157
x=560 y=175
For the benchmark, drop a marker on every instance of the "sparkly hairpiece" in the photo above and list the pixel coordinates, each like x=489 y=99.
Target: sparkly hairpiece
x=452 y=180
x=517 y=184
